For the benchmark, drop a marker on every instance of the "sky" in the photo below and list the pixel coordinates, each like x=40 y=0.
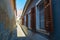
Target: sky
x=20 y=4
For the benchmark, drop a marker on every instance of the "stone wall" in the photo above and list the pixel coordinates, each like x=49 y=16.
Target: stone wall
x=7 y=19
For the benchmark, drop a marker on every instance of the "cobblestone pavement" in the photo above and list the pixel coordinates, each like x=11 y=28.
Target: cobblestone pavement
x=31 y=36
x=35 y=36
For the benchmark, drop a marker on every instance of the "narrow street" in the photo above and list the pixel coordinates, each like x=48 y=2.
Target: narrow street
x=18 y=34
x=29 y=19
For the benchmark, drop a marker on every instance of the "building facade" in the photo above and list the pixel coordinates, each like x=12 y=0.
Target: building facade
x=7 y=18
x=43 y=16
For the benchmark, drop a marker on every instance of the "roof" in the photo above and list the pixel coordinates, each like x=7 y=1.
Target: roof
x=26 y=6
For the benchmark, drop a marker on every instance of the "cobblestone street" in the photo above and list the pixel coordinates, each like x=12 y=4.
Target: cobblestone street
x=29 y=19
x=30 y=36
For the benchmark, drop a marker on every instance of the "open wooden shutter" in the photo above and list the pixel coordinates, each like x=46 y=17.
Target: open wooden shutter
x=33 y=19
x=27 y=20
x=48 y=16
x=22 y=20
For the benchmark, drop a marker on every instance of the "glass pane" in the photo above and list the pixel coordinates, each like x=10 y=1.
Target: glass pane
x=29 y=21
x=41 y=16
x=37 y=18
x=42 y=19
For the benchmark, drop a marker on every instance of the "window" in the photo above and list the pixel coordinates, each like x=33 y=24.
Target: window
x=41 y=15
x=37 y=18
x=25 y=20
x=29 y=21
x=45 y=16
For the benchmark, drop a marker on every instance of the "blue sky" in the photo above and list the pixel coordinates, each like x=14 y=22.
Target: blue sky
x=20 y=4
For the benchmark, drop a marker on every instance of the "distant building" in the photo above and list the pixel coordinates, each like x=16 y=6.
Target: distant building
x=42 y=16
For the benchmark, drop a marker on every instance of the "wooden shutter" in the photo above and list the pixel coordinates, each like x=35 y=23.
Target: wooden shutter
x=22 y=20
x=33 y=19
x=27 y=20
x=48 y=16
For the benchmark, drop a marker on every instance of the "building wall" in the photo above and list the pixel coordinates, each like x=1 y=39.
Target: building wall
x=32 y=4
x=55 y=35
x=28 y=12
x=56 y=19
x=7 y=19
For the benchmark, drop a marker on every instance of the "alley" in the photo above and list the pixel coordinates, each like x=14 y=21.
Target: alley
x=18 y=34
x=29 y=19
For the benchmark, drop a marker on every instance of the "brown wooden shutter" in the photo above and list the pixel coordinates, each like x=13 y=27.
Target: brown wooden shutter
x=27 y=20
x=22 y=20
x=48 y=16
x=33 y=19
